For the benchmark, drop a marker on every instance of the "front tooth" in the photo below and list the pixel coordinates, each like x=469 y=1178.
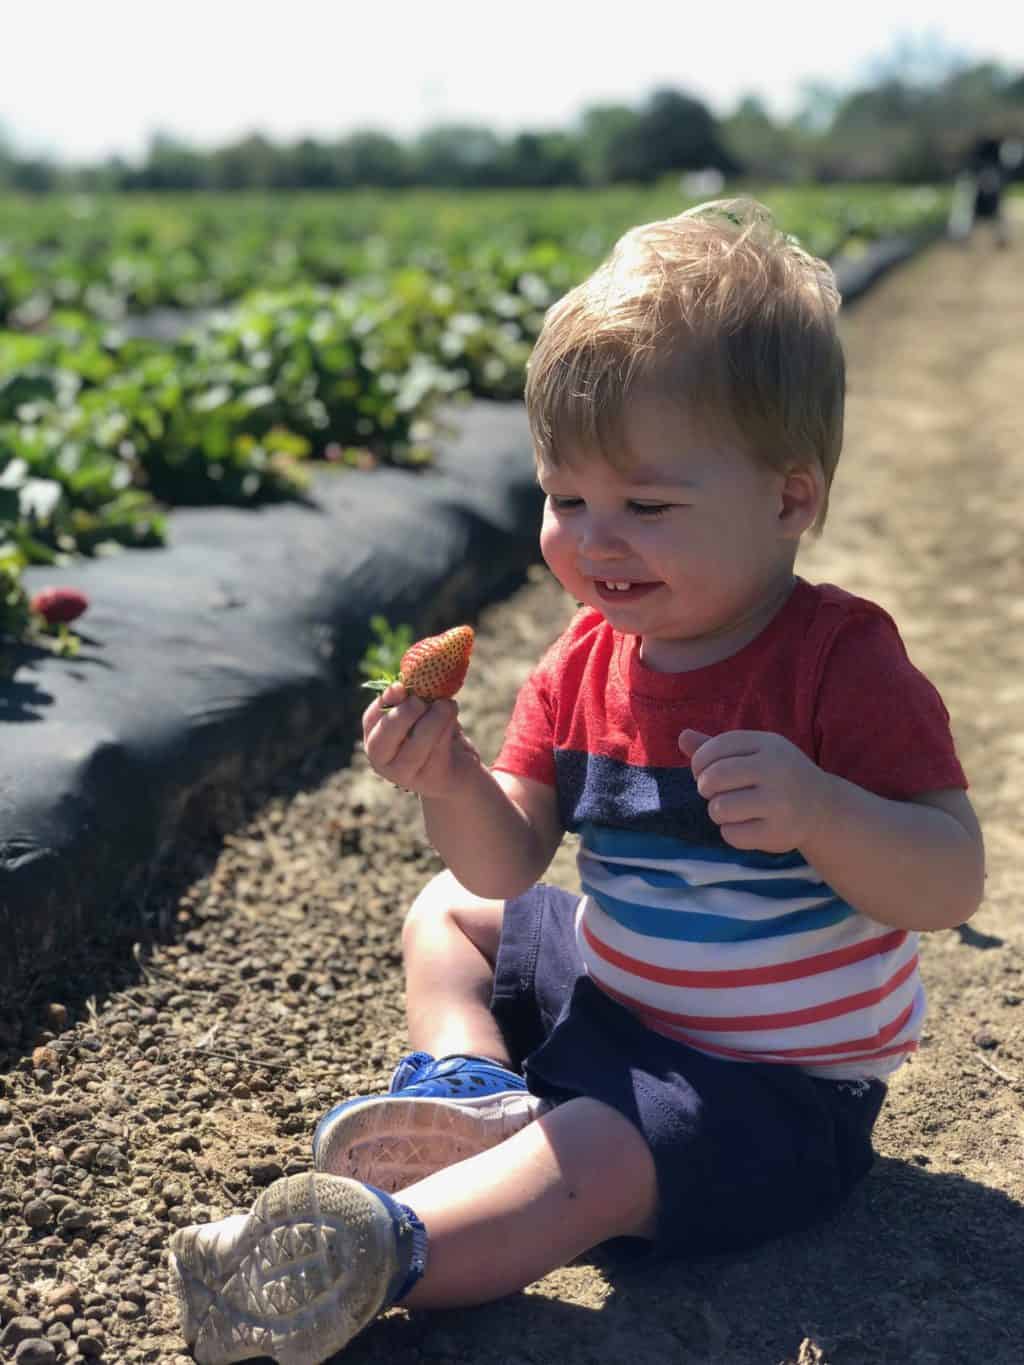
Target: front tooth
x=620 y=587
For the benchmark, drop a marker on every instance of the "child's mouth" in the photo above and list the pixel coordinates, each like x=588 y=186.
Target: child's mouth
x=614 y=590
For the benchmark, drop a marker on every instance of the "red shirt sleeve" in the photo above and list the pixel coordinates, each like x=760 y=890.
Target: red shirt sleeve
x=528 y=749
x=879 y=722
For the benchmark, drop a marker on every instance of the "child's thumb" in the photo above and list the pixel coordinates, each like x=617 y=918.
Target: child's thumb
x=691 y=740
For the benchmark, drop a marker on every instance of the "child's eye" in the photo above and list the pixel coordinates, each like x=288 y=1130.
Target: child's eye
x=564 y=504
x=650 y=509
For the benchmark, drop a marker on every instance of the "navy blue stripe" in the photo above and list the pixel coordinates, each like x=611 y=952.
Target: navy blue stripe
x=596 y=789
x=685 y=926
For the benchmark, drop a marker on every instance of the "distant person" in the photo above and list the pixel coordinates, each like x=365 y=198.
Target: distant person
x=770 y=807
x=980 y=188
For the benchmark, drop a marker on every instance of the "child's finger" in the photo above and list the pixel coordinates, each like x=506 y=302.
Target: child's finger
x=392 y=696
x=430 y=736
x=388 y=732
x=726 y=775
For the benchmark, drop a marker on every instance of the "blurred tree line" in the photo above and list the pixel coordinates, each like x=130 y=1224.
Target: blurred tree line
x=905 y=125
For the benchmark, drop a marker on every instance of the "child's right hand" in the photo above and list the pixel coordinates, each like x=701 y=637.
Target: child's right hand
x=417 y=745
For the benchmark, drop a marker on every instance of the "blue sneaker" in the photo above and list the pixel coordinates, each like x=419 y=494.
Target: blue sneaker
x=436 y=1112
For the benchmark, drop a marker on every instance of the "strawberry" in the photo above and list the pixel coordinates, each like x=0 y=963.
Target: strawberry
x=58 y=606
x=433 y=668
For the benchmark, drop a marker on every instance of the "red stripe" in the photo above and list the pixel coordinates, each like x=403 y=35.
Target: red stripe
x=905 y=1048
x=746 y=976
x=822 y=1051
x=783 y=1059
x=741 y=1023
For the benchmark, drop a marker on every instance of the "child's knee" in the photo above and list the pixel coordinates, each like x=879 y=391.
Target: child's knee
x=430 y=906
x=444 y=906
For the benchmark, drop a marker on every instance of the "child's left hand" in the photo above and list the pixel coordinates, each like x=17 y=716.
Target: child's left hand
x=762 y=791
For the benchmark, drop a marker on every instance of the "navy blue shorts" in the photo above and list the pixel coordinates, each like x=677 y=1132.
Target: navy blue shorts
x=744 y=1152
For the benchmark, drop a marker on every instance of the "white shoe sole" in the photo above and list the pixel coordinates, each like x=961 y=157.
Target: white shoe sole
x=295 y=1278
x=392 y=1142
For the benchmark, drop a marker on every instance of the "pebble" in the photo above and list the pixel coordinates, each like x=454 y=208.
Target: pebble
x=10 y=1307
x=265 y=1172
x=20 y=1329
x=35 y=1351
x=63 y=1294
x=84 y=1155
x=37 y=1213
x=45 y=1059
x=74 y=1218
x=57 y=1016
x=109 y=1157
x=90 y=1344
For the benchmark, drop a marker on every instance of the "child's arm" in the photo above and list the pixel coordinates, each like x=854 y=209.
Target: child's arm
x=496 y=832
x=917 y=864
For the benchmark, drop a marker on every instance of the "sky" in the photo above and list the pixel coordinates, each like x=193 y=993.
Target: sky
x=83 y=81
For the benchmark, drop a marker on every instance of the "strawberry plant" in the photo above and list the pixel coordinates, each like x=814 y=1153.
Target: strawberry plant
x=383 y=656
x=15 y=613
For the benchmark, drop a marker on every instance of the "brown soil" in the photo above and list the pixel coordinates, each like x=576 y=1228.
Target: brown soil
x=166 y=1084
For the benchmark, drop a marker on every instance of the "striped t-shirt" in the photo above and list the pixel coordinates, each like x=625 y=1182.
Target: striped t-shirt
x=747 y=956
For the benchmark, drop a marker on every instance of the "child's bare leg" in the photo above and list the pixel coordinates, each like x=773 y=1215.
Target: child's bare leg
x=465 y=1096
x=450 y=943
x=577 y=1176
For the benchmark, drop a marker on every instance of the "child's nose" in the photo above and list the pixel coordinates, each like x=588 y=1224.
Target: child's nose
x=601 y=538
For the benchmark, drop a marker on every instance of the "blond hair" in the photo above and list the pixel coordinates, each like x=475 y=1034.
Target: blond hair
x=715 y=310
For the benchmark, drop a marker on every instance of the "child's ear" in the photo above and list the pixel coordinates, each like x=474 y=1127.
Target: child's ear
x=801 y=498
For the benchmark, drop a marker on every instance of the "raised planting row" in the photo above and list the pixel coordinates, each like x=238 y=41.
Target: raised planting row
x=102 y=429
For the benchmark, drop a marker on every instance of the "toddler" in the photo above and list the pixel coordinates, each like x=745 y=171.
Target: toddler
x=693 y=1049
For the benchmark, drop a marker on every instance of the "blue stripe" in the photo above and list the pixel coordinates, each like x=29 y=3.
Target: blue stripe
x=778 y=889
x=685 y=926
x=618 y=843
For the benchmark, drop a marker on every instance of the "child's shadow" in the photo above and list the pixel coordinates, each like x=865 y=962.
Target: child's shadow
x=917 y=1267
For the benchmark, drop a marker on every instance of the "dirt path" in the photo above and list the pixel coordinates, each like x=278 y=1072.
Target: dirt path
x=176 y=1088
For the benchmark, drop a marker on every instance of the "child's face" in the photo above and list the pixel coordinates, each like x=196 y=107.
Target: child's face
x=699 y=531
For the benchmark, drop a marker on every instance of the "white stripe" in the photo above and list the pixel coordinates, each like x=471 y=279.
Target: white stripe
x=706 y=900
x=784 y=998
x=702 y=872
x=854 y=1066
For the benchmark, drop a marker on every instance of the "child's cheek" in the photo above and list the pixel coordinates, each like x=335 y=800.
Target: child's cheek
x=554 y=546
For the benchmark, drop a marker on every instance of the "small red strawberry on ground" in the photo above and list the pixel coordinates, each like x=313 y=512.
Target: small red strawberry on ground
x=59 y=606
x=433 y=668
